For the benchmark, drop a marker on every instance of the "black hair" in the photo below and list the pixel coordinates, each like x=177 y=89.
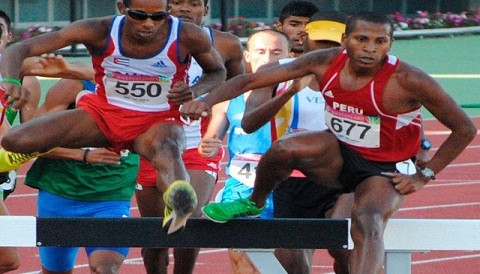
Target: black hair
x=297 y=8
x=7 y=20
x=368 y=16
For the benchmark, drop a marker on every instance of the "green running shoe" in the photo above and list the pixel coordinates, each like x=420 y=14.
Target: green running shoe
x=180 y=202
x=223 y=212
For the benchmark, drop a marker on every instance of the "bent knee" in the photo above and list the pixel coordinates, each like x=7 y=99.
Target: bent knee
x=284 y=151
x=19 y=142
x=369 y=223
x=9 y=266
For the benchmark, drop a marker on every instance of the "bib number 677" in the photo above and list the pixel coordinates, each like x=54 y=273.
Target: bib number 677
x=348 y=127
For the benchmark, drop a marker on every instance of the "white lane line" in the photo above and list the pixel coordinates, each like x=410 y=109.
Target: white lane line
x=438 y=206
x=446 y=259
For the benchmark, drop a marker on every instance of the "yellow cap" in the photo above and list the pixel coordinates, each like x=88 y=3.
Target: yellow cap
x=325 y=30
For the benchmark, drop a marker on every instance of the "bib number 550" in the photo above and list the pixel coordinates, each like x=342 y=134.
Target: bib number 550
x=138 y=89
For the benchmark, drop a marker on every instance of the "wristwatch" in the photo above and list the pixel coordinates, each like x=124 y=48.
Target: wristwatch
x=425 y=144
x=427 y=172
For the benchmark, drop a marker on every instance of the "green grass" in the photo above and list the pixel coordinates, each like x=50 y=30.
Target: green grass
x=457 y=55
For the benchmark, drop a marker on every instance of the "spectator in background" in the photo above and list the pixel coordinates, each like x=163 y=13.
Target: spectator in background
x=292 y=20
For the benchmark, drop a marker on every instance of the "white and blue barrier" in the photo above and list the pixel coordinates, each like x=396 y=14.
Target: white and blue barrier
x=256 y=236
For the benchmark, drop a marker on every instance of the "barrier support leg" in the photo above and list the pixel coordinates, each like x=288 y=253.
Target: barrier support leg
x=398 y=262
x=265 y=260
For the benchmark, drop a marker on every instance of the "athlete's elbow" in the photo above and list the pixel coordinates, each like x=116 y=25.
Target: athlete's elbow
x=470 y=131
x=247 y=126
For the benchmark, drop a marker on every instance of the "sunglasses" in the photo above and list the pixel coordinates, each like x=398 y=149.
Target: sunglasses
x=141 y=15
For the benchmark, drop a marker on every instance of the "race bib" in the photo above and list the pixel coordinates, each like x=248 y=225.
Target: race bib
x=138 y=89
x=354 y=129
x=406 y=167
x=243 y=167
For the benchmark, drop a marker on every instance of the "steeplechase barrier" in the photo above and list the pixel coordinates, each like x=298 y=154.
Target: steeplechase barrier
x=258 y=237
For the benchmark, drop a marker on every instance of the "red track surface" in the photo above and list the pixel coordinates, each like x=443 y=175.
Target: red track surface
x=454 y=195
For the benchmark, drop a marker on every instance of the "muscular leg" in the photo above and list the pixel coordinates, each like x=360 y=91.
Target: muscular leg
x=375 y=202
x=204 y=184
x=150 y=204
x=163 y=145
x=342 y=209
x=69 y=128
x=295 y=260
x=316 y=154
x=105 y=261
x=313 y=153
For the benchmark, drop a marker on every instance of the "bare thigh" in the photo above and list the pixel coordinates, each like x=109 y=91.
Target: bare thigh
x=315 y=153
x=69 y=128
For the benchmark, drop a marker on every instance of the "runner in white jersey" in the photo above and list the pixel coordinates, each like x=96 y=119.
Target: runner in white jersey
x=131 y=111
x=202 y=170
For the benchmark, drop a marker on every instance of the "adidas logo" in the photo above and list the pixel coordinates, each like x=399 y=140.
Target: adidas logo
x=328 y=93
x=159 y=64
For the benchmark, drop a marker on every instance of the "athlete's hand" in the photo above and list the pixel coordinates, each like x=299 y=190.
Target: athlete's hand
x=195 y=109
x=103 y=156
x=180 y=93
x=209 y=146
x=406 y=184
x=14 y=96
x=50 y=65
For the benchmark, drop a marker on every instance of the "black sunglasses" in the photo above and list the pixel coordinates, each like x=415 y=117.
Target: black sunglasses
x=141 y=15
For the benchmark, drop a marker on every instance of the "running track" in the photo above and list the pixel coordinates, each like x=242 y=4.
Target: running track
x=454 y=195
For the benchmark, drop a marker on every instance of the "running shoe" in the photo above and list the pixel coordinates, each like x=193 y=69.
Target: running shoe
x=223 y=212
x=12 y=160
x=180 y=202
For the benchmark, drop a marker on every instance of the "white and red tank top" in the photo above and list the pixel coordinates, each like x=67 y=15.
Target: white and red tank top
x=139 y=84
x=360 y=121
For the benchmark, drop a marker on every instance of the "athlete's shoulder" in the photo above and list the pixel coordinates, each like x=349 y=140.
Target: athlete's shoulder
x=227 y=42
x=225 y=37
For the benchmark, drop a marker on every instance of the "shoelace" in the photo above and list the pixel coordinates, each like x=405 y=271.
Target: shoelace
x=21 y=158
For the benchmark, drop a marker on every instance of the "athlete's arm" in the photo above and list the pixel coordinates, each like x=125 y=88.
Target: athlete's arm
x=28 y=111
x=56 y=66
x=216 y=130
x=231 y=51
x=262 y=107
x=197 y=43
x=437 y=101
x=419 y=88
x=91 y=32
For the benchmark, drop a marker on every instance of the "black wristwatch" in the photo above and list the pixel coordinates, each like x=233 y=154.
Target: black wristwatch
x=425 y=144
